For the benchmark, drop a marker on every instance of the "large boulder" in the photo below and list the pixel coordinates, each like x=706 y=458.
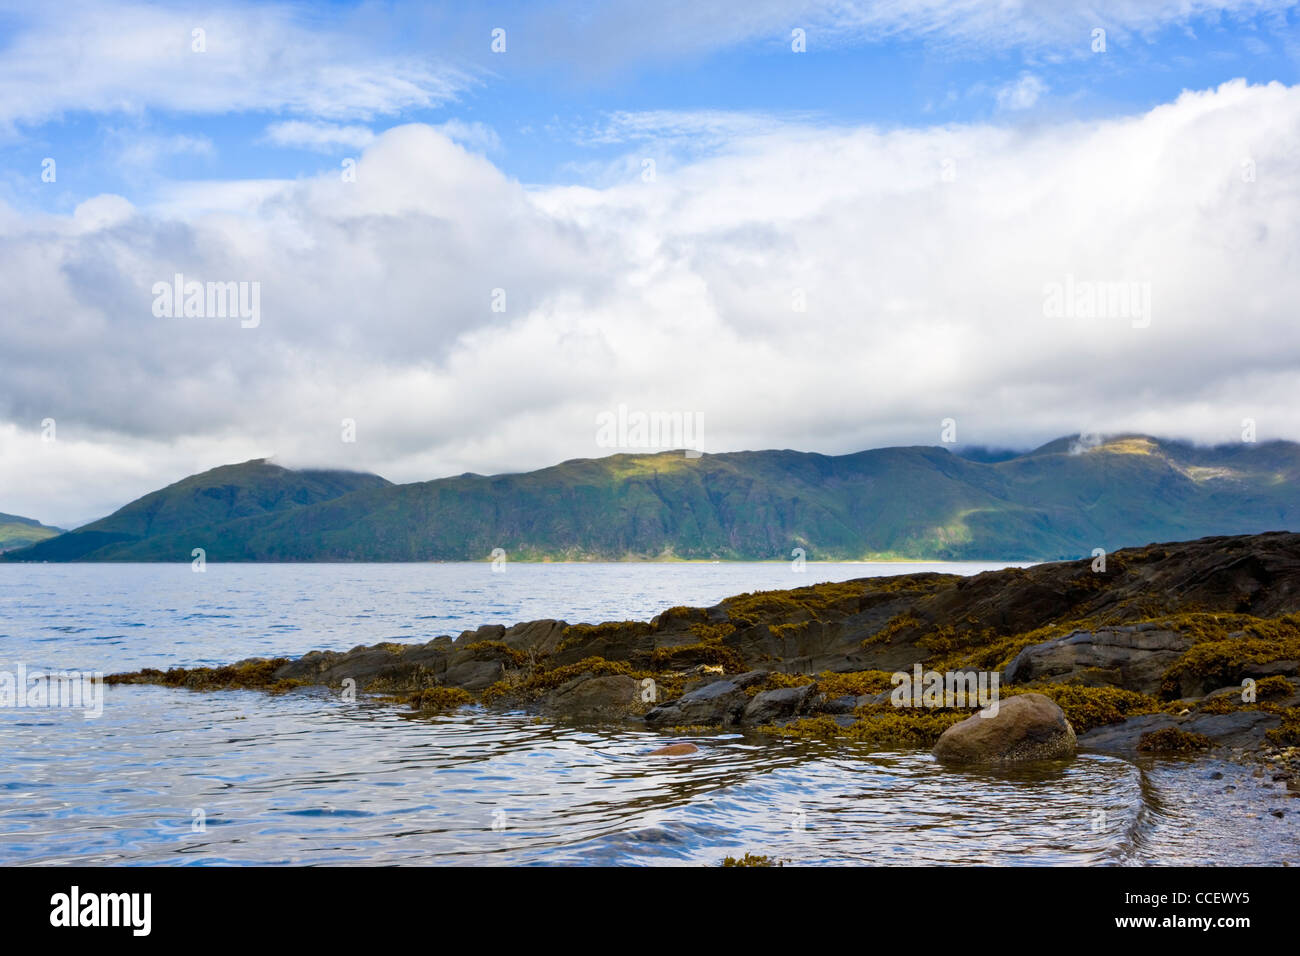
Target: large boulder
x=1132 y=657
x=1026 y=727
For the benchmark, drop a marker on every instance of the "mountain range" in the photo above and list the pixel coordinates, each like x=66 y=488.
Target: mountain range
x=1056 y=502
x=17 y=532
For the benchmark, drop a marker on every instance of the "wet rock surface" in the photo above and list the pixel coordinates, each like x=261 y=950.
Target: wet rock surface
x=1134 y=658
x=611 y=697
x=779 y=704
x=1163 y=638
x=1027 y=727
x=1236 y=729
x=721 y=703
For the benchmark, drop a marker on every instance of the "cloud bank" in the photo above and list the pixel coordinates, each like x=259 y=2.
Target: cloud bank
x=826 y=289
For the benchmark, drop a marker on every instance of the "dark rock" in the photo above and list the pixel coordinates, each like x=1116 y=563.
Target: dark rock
x=770 y=705
x=840 y=705
x=387 y=669
x=473 y=674
x=721 y=702
x=1240 y=728
x=1133 y=657
x=541 y=637
x=700 y=676
x=1026 y=727
x=1287 y=668
x=608 y=697
x=488 y=632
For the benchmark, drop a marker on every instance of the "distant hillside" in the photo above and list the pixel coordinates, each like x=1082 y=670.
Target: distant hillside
x=205 y=501
x=16 y=532
x=1059 y=501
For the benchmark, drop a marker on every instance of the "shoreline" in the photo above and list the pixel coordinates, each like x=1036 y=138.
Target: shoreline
x=1001 y=563
x=1145 y=656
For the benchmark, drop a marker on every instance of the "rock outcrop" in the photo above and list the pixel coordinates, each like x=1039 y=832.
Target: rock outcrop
x=1134 y=657
x=607 y=697
x=1241 y=728
x=1026 y=727
x=782 y=703
x=721 y=703
x=1137 y=648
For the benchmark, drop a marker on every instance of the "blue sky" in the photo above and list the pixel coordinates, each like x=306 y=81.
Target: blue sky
x=839 y=249
x=542 y=109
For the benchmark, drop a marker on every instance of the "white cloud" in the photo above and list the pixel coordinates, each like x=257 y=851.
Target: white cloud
x=1021 y=94
x=109 y=57
x=101 y=212
x=130 y=57
x=319 y=136
x=331 y=137
x=923 y=255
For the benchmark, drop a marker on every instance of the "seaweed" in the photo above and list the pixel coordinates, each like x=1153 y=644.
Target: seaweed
x=256 y=674
x=440 y=699
x=1173 y=740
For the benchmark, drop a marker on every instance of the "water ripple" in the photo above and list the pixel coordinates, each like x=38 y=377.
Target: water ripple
x=178 y=777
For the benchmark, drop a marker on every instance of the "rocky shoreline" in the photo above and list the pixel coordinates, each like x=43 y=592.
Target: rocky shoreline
x=1184 y=647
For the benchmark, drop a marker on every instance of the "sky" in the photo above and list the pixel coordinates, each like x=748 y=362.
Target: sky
x=466 y=236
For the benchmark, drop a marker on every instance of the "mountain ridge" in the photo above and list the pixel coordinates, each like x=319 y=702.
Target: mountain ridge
x=207 y=499
x=19 y=532
x=1060 y=500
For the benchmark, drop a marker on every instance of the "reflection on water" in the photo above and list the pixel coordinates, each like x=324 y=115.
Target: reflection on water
x=307 y=779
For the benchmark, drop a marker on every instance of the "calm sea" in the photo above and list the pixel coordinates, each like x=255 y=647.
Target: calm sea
x=170 y=776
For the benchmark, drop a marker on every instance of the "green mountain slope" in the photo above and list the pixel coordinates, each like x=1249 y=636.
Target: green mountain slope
x=16 y=532
x=209 y=500
x=1059 y=501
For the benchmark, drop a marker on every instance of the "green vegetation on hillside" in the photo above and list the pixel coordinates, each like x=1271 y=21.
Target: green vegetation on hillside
x=191 y=511
x=17 y=532
x=922 y=503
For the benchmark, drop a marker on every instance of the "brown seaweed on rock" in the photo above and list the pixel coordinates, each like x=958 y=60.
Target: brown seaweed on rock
x=1145 y=643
